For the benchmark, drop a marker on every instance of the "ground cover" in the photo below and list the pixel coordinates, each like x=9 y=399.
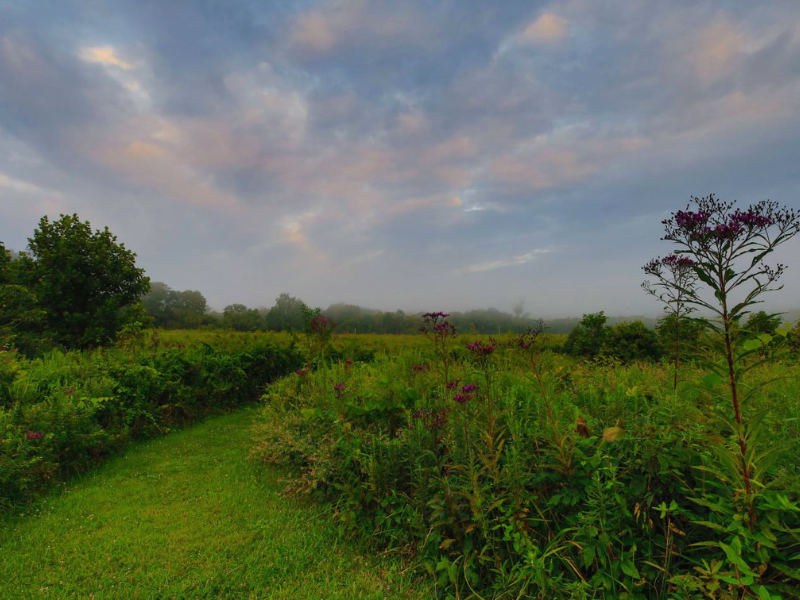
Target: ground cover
x=187 y=516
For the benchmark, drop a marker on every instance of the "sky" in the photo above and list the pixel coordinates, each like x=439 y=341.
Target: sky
x=418 y=155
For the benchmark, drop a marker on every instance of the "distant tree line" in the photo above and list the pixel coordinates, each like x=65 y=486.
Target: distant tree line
x=593 y=337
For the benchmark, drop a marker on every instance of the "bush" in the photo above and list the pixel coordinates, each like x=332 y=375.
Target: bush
x=65 y=412
x=631 y=341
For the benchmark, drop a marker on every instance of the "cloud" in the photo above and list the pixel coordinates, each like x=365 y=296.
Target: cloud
x=312 y=31
x=546 y=30
x=104 y=55
x=19 y=185
x=507 y=262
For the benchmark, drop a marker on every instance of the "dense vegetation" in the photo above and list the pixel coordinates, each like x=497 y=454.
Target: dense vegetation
x=66 y=411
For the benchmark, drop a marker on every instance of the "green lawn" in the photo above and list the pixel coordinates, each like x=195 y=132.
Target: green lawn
x=187 y=516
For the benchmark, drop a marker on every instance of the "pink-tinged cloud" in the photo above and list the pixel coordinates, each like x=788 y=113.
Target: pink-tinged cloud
x=545 y=30
x=104 y=55
x=313 y=32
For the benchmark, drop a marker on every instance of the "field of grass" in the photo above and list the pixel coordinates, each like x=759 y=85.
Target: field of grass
x=187 y=516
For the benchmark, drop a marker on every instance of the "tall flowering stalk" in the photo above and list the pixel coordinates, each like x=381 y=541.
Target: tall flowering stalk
x=442 y=333
x=728 y=246
x=674 y=279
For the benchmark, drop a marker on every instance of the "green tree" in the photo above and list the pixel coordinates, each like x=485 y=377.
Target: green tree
x=287 y=314
x=240 y=318
x=187 y=309
x=82 y=279
x=5 y=265
x=588 y=336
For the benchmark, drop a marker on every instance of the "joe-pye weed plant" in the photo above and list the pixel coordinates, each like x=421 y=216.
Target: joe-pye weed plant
x=726 y=247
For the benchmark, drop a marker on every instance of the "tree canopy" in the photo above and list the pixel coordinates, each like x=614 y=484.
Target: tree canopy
x=82 y=280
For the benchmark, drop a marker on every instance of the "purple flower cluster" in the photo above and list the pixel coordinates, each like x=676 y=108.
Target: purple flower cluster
x=451 y=385
x=303 y=372
x=751 y=219
x=480 y=349
x=339 y=387
x=445 y=328
x=466 y=394
x=319 y=324
x=433 y=324
x=432 y=419
x=726 y=231
x=434 y=316
x=35 y=435
x=676 y=263
x=692 y=221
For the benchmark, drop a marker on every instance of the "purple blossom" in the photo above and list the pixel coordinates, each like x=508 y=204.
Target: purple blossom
x=469 y=388
x=435 y=315
x=462 y=398
x=339 y=387
x=727 y=231
x=451 y=385
x=675 y=262
x=480 y=349
x=35 y=435
x=751 y=219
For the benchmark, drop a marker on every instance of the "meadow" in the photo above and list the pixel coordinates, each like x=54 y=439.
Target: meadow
x=508 y=469
x=489 y=466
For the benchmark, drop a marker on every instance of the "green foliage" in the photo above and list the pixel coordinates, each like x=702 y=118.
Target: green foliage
x=287 y=314
x=173 y=309
x=240 y=318
x=588 y=337
x=793 y=338
x=5 y=265
x=82 y=279
x=502 y=494
x=64 y=412
x=760 y=322
x=630 y=341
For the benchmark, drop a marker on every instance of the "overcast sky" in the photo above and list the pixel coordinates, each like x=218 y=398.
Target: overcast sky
x=418 y=155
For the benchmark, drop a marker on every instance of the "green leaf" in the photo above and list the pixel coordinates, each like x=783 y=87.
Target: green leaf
x=712 y=379
x=629 y=569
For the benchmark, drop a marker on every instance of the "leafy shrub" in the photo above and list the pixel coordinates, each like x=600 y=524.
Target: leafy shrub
x=65 y=412
x=631 y=341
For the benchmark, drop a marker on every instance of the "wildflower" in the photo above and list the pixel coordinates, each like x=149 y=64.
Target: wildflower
x=469 y=388
x=451 y=385
x=35 y=435
x=480 y=349
x=462 y=398
x=303 y=372
x=339 y=387
x=435 y=315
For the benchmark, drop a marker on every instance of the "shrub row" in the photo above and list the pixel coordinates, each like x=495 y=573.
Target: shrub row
x=65 y=412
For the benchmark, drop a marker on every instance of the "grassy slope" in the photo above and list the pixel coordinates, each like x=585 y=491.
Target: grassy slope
x=186 y=516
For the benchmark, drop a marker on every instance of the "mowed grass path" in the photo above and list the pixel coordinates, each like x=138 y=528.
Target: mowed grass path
x=187 y=516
